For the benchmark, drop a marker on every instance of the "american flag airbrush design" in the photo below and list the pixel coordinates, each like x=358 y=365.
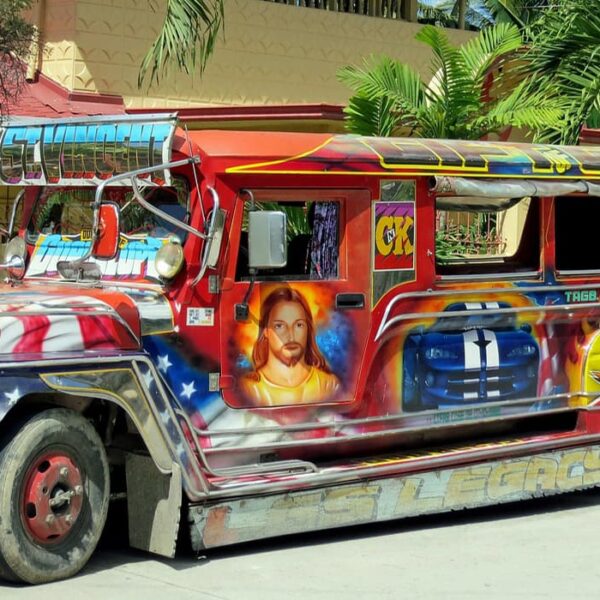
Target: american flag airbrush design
x=42 y=324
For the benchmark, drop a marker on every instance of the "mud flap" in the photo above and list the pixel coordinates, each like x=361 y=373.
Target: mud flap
x=153 y=505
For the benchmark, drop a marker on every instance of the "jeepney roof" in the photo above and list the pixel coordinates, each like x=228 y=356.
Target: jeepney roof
x=306 y=153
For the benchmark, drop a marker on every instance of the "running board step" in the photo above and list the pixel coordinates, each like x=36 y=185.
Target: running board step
x=273 y=476
x=235 y=520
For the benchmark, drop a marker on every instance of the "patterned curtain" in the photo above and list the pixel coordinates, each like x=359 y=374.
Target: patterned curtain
x=324 y=246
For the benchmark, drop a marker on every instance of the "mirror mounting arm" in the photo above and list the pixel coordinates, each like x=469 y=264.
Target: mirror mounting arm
x=131 y=176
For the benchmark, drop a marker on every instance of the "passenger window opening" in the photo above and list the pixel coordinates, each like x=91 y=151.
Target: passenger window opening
x=312 y=238
x=575 y=229
x=487 y=236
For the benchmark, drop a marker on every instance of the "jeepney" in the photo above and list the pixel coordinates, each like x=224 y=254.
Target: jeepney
x=268 y=333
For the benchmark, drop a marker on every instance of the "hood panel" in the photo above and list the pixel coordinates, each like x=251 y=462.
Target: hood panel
x=42 y=320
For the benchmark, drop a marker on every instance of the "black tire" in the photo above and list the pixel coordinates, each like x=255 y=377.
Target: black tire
x=54 y=492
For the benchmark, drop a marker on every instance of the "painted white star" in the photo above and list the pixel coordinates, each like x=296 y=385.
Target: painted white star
x=148 y=378
x=188 y=390
x=164 y=363
x=13 y=396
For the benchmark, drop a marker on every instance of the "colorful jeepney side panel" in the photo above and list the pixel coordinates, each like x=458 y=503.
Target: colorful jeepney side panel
x=394 y=236
x=440 y=490
x=504 y=353
x=294 y=350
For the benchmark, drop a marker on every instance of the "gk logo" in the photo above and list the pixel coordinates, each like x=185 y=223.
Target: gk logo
x=392 y=235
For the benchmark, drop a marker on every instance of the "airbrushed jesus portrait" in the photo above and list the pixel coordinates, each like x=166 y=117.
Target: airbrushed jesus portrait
x=288 y=365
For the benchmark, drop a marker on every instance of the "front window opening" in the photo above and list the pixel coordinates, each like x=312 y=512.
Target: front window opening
x=68 y=211
x=312 y=242
x=576 y=222
x=473 y=239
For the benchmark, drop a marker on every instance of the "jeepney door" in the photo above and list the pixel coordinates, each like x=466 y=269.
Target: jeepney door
x=295 y=335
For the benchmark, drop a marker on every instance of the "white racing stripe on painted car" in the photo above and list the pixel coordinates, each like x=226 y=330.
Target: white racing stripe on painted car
x=492 y=353
x=474 y=353
x=472 y=350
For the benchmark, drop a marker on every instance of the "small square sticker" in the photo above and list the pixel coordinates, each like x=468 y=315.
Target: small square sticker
x=200 y=317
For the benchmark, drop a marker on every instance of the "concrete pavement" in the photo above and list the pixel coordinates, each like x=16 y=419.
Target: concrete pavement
x=547 y=548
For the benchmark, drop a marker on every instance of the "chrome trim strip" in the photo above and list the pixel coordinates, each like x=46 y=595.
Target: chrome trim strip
x=578 y=272
x=486 y=276
x=521 y=291
x=466 y=313
x=426 y=462
x=340 y=425
x=334 y=441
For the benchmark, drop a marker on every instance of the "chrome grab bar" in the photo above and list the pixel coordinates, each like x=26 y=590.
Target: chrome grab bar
x=131 y=175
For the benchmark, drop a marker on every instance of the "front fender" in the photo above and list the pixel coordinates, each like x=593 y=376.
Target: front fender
x=16 y=386
x=130 y=382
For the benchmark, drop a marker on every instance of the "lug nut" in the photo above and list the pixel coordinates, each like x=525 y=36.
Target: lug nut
x=78 y=490
x=64 y=472
x=68 y=519
x=50 y=519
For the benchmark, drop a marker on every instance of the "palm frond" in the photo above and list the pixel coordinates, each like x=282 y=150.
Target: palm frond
x=370 y=116
x=384 y=76
x=187 y=37
x=452 y=85
x=526 y=107
x=488 y=47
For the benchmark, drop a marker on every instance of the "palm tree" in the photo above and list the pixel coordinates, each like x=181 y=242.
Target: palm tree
x=563 y=57
x=391 y=98
x=187 y=37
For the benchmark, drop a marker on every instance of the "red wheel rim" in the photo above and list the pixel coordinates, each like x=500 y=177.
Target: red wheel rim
x=52 y=497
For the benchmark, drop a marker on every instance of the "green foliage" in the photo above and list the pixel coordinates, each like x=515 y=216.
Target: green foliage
x=390 y=98
x=187 y=38
x=518 y=12
x=16 y=38
x=564 y=57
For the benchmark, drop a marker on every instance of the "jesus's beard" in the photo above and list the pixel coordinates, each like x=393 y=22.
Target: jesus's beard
x=289 y=354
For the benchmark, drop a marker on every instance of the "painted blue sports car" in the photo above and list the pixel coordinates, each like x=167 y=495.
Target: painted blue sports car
x=475 y=354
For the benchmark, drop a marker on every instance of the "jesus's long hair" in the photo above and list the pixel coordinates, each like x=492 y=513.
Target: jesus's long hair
x=260 y=352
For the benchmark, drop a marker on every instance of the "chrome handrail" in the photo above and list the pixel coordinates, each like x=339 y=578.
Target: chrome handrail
x=131 y=175
x=161 y=213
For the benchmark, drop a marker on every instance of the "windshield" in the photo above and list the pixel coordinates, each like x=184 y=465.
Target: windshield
x=68 y=212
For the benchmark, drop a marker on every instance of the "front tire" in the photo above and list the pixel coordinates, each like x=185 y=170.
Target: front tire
x=54 y=491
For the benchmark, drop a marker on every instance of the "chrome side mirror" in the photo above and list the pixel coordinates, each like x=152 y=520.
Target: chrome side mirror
x=14 y=258
x=267 y=246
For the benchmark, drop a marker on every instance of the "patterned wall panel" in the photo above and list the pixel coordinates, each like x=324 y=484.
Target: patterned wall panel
x=270 y=53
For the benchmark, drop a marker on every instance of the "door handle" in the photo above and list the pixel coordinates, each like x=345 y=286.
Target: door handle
x=348 y=301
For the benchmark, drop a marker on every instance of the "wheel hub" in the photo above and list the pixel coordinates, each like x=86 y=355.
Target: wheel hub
x=52 y=497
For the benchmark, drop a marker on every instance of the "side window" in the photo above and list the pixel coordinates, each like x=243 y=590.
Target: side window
x=482 y=235
x=312 y=242
x=576 y=227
